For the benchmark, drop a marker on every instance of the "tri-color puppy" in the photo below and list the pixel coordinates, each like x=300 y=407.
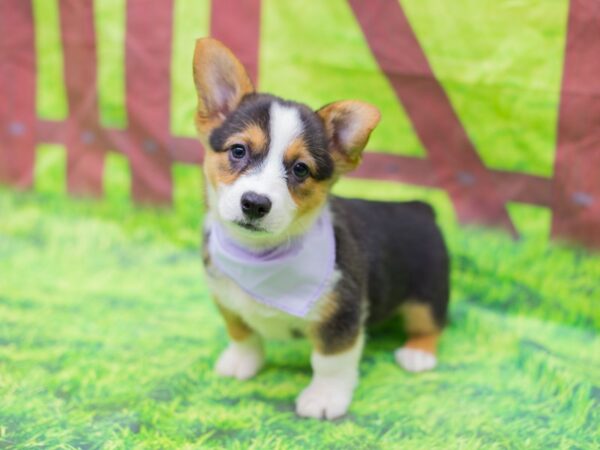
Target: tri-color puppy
x=287 y=259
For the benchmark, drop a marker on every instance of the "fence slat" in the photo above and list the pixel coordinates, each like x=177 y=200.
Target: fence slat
x=420 y=172
x=236 y=23
x=576 y=205
x=148 y=86
x=574 y=193
x=85 y=152
x=458 y=168
x=17 y=93
x=375 y=166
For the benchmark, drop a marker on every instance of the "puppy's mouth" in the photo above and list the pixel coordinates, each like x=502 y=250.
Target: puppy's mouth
x=250 y=226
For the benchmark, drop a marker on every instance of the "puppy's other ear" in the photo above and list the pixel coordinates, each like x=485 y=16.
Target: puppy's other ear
x=221 y=82
x=348 y=124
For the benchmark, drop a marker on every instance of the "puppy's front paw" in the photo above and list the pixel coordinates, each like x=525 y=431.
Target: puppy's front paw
x=324 y=399
x=240 y=360
x=415 y=360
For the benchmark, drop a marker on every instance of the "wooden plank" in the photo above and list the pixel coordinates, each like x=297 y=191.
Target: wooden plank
x=576 y=202
x=148 y=91
x=85 y=154
x=236 y=23
x=457 y=166
x=375 y=165
x=17 y=93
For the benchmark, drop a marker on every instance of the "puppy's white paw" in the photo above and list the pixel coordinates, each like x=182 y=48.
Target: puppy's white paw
x=240 y=360
x=415 y=360
x=324 y=399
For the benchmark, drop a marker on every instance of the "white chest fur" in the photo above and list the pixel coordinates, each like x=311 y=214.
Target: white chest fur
x=269 y=322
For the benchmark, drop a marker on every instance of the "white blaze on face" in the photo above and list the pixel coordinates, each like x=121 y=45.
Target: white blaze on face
x=269 y=178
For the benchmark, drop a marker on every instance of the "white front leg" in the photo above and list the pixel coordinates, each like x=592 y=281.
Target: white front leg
x=241 y=359
x=329 y=394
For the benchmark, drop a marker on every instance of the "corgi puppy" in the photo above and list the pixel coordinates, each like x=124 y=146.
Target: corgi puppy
x=286 y=259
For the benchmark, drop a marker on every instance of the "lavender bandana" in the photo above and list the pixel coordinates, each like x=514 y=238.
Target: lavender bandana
x=290 y=277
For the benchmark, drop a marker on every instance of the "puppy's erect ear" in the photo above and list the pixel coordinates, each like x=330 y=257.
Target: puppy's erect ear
x=348 y=124
x=221 y=82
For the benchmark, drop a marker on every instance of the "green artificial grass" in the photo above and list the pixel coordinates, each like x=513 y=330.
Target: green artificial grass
x=108 y=337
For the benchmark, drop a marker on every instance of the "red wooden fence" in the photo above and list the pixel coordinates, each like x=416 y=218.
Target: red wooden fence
x=478 y=193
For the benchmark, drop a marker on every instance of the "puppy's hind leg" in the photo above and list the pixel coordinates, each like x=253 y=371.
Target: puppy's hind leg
x=419 y=352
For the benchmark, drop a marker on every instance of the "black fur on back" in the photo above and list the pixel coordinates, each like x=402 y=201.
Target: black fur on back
x=399 y=254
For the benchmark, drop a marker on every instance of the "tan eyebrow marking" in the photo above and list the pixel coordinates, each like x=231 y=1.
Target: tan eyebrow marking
x=311 y=193
x=253 y=136
x=217 y=165
x=297 y=150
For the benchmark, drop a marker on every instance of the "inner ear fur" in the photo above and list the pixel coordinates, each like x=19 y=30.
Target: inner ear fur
x=221 y=83
x=348 y=125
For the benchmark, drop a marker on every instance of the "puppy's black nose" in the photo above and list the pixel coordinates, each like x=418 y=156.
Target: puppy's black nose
x=255 y=206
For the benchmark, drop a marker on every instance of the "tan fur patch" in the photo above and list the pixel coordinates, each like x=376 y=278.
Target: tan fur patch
x=418 y=319
x=309 y=194
x=217 y=165
x=426 y=343
x=297 y=151
x=236 y=328
x=205 y=125
x=217 y=168
x=252 y=136
x=256 y=138
x=329 y=307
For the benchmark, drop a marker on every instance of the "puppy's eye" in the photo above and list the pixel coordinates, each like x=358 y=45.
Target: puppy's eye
x=300 y=171
x=238 y=151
